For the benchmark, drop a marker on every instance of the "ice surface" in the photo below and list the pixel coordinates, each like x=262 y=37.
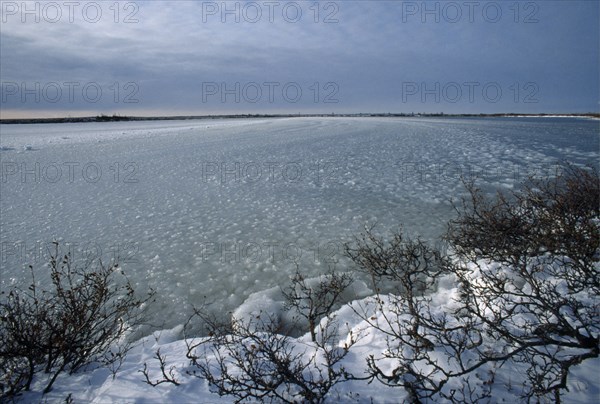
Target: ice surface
x=217 y=210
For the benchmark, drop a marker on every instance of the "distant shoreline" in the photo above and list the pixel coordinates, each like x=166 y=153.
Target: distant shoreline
x=122 y=118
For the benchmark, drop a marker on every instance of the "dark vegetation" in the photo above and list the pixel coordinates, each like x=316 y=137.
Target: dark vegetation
x=116 y=117
x=82 y=318
x=536 y=307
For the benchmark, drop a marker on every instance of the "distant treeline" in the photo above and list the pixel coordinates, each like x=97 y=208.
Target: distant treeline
x=123 y=118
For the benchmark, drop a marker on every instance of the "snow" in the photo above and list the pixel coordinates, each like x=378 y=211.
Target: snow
x=224 y=211
x=270 y=304
x=98 y=386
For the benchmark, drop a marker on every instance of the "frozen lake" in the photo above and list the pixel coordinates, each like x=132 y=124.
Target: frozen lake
x=224 y=208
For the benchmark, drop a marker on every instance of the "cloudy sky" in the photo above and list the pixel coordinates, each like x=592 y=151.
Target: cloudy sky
x=192 y=57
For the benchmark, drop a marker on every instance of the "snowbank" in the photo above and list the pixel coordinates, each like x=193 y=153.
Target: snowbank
x=99 y=386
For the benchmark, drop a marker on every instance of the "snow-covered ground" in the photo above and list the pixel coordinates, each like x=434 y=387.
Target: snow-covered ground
x=99 y=386
x=223 y=210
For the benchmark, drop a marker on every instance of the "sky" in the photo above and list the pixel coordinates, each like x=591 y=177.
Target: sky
x=157 y=58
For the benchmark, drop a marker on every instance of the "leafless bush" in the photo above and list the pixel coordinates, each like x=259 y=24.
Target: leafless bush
x=82 y=318
x=554 y=215
x=543 y=302
x=527 y=269
x=315 y=300
x=167 y=376
x=410 y=264
x=412 y=330
x=248 y=364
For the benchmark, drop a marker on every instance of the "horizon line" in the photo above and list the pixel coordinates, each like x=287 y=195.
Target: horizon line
x=117 y=117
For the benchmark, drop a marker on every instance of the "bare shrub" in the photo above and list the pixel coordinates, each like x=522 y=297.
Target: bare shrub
x=315 y=300
x=555 y=215
x=543 y=301
x=166 y=376
x=240 y=361
x=410 y=264
x=526 y=265
x=82 y=318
